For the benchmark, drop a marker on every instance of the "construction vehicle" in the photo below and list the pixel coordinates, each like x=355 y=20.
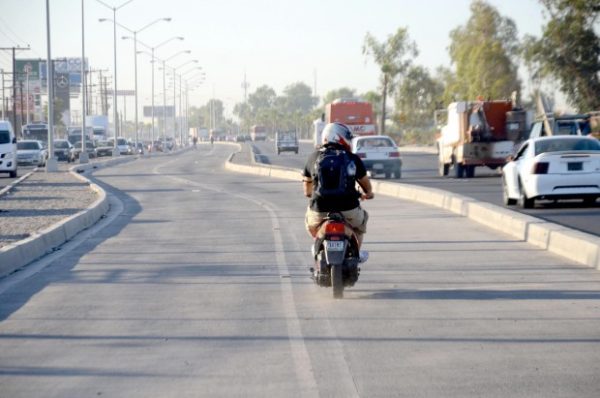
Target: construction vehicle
x=549 y=124
x=355 y=113
x=479 y=133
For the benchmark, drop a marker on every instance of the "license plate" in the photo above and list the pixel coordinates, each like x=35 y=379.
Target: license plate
x=575 y=166
x=378 y=166
x=335 y=246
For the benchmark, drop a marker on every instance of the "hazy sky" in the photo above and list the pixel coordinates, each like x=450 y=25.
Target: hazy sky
x=274 y=42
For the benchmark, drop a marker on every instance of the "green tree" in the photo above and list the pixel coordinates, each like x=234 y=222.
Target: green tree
x=393 y=56
x=342 y=92
x=416 y=98
x=375 y=99
x=569 y=51
x=299 y=98
x=484 y=53
x=209 y=115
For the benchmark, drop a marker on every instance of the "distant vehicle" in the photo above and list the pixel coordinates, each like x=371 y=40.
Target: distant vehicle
x=557 y=167
x=170 y=143
x=64 y=150
x=8 y=149
x=355 y=113
x=100 y=125
x=157 y=146
x=89 y=147
x=379 y=153
x=318 y=126
x=479 y=133
x=104 y=148
x=139 y=148
x=31 y=152
x=123 y=146
x=203 y=134
x=35 y=131
x=286 y=142
x=74 y=134
x=561 y=125
x=548 y=124
x=258 y=133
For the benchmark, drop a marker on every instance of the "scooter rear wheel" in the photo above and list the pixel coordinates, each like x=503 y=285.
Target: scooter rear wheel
x=337 y=282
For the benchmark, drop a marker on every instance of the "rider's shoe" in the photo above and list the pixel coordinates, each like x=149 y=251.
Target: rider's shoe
x=363 y=256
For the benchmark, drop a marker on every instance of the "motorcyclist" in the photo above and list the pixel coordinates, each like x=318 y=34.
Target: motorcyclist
x=337 y=136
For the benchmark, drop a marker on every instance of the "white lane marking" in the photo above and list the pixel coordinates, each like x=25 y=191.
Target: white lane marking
x=304 y=370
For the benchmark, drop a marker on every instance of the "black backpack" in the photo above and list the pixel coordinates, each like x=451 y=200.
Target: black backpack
x=335 y=173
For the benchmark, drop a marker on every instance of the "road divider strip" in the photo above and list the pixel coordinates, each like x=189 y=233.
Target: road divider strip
x=577 y=246
x=20 y=253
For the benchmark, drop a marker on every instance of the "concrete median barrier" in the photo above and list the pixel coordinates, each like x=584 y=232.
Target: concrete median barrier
x=21 y=253
x=574 y=245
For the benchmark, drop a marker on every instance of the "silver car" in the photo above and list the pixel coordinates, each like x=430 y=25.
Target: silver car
x=31 y=152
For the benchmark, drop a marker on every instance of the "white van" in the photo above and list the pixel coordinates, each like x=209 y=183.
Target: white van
x=8 y=149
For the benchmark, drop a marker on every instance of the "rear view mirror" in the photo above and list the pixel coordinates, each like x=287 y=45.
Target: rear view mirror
x=14 y=141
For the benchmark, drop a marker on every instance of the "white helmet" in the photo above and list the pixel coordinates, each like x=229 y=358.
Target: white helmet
x=337 y=133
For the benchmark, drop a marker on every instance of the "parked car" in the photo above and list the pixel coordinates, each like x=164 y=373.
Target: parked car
x=104 y=148
x=63 y=150
x=89 y=147
x=379 y=153
x=286 y=141
x=557 y=167
x=31 y=152
x=8 y=149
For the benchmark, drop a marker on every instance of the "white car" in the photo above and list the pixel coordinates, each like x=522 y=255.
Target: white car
x=31 y=152
x=556 y=167
x=379 y=153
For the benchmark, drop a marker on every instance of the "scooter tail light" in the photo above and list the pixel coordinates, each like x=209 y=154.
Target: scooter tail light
x=335 y=228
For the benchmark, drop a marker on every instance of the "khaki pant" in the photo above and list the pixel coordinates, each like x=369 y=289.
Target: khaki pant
x=356 y=217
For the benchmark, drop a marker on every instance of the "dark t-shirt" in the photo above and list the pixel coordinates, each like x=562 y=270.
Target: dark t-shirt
x=324 y=204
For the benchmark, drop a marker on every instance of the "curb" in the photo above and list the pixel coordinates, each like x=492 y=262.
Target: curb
x=21 y=253
x=580 y=247
x=10 y=186
x=40 y=243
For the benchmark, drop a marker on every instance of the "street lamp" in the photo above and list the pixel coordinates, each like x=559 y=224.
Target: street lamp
x=165 y=89
x=153 y=61
x=51 y=164
x=115 y=113
x=175 y=98
x=135 y=32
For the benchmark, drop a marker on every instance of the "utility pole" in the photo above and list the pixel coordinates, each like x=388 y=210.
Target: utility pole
x=3 y=104
x=14 y=96
x=245 y=86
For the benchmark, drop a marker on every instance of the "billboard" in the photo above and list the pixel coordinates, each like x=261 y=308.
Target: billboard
x=70 y=67
x=159 y=111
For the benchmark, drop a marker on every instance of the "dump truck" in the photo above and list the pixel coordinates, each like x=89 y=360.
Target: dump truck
x=479 y=133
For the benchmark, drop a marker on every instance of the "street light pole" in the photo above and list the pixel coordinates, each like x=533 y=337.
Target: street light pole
x=135 y=42
x=165 y=89
x=83 y=156
x=51 y=164
x=115 y=112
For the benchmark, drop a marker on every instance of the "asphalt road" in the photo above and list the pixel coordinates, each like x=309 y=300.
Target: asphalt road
x=421 y=169
x=21 y=171
x=196 y=284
